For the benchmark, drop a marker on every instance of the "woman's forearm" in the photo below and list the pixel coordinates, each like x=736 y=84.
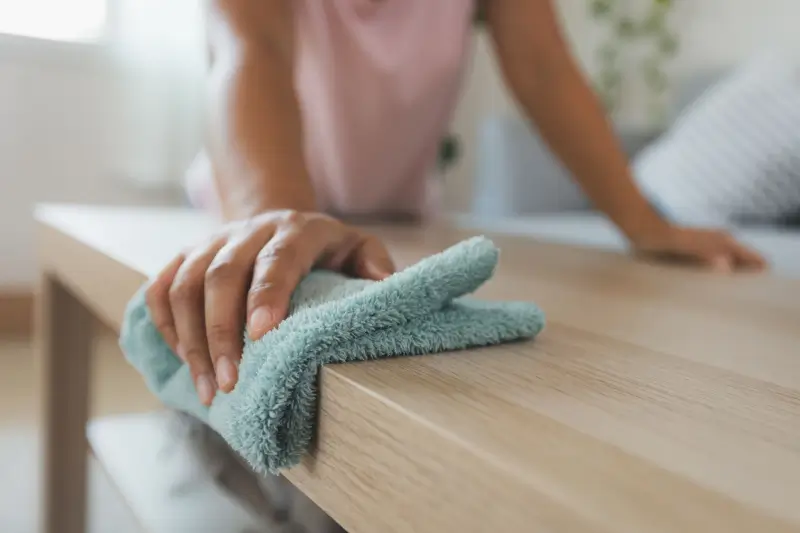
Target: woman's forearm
x=540 y=71
x=255 y=133
x=572 y=122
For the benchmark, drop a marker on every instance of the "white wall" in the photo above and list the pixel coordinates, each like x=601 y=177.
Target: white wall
x=713 y=34
x=62 y=139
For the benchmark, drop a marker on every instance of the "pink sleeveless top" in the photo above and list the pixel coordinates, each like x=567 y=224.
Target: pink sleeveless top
x=377 y=82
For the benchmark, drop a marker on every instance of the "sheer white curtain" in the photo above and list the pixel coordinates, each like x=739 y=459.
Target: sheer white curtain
x=158 y=48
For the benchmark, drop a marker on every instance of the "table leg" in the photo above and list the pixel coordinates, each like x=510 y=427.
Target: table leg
x=64 y=329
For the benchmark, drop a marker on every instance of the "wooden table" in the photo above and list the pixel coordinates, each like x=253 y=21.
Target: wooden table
x=657 y=399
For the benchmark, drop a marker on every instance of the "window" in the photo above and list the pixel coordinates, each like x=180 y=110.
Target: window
x=59 y=20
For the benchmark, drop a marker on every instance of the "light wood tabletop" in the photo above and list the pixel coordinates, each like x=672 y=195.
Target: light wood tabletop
x=658 y=398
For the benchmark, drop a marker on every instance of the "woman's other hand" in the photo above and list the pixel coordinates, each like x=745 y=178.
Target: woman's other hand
x=716 y=250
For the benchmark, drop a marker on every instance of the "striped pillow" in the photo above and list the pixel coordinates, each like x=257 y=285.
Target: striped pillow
x=734 y=155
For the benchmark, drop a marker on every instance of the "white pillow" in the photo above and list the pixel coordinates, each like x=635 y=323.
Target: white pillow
x=735 y=153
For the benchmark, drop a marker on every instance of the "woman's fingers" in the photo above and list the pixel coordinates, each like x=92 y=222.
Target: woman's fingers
x=187 y=299
x=157 y=298
x=226 y=283
x=721 y=262
x=716 y=250
x=281 y=265
x=371 y=259
x=748 y=258
x=294 y=251
x=723 y=253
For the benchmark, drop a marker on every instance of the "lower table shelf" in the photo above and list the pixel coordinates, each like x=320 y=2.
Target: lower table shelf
x=162 y=479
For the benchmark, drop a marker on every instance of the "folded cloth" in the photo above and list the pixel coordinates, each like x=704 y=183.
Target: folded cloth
x=269 y=416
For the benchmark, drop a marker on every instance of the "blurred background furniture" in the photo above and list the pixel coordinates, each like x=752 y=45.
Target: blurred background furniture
x=517 y=174
x=521 y=188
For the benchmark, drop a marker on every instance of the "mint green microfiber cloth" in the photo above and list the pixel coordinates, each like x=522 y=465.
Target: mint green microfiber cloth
x=269 y=417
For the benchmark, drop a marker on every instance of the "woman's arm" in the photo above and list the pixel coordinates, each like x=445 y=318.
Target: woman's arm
x=541 y=73
x=255 y=137
x=246 y=272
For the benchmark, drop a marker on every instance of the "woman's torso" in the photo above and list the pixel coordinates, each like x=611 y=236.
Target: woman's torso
x=377 y=82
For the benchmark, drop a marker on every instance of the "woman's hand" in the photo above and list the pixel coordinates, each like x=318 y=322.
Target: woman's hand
x=248 y=271
x=716 y=250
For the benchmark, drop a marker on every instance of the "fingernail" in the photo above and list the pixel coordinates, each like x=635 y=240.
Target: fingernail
x=226 y=374
x=379 y=272
x=205 y=388
x=260 y=322
x=179 y=352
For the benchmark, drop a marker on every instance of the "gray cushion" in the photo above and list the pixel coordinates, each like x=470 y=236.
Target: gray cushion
x=518 y=174
x=734 y=154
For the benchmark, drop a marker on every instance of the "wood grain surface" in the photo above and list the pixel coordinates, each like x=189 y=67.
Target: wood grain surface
x=658 y=398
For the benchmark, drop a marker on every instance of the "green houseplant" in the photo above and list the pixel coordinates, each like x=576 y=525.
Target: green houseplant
x=627 y=28
x=450 y=147
x=646 y=30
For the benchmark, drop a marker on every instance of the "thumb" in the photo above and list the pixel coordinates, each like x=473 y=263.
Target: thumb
x=371 y=260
